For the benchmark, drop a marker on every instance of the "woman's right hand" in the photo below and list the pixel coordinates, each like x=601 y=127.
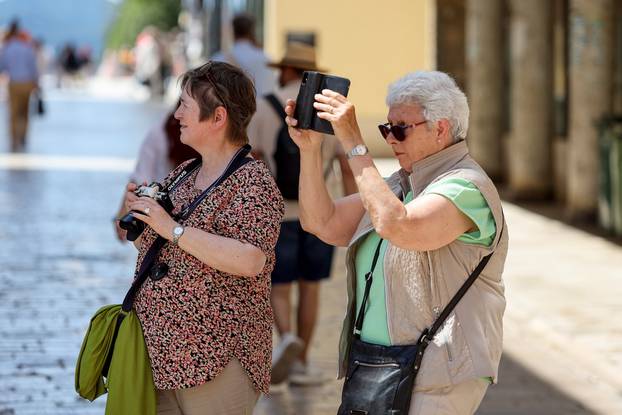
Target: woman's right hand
x=129 y=195
x=120 y=232
x=304 y=139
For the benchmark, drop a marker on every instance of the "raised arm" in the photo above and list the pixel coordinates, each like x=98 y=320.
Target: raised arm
x=426 y=223
x=332 y=221
x=347 y=178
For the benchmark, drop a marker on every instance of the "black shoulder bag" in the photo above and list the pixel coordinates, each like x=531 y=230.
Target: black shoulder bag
x=380 y=379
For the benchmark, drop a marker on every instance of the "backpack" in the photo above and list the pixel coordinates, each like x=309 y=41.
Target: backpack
x=286 y=156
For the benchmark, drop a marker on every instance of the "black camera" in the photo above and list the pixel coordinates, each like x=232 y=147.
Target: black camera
x=313 y=83
x=135 y=227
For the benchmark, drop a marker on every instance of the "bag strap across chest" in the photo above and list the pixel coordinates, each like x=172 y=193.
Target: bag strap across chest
x=428 y=334
x=238 y=160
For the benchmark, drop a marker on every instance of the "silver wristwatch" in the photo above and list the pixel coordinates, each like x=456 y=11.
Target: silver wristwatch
x=177 y=232
x=358 y=150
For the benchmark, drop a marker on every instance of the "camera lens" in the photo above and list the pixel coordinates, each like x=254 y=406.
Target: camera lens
x=133 y=226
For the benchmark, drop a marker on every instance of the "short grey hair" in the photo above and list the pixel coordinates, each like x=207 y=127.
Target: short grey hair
x=438 y=96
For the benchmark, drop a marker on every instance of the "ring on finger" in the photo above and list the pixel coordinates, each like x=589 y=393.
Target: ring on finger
x=147 y=210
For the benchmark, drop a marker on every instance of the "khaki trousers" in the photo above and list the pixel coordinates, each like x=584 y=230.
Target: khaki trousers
x=461 y=399
x=19 y=97
x=230 y=393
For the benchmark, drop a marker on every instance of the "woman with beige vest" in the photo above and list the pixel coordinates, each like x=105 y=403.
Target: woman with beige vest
x=430 y=224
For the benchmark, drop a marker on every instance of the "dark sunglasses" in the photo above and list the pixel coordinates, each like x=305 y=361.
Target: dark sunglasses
x=398 y=131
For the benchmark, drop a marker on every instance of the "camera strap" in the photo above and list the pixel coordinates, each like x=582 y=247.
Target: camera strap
x=238 y=160
x=189 y=168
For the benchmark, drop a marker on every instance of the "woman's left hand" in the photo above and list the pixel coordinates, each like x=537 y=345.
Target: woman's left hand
x=335 y=108
x=154 y=215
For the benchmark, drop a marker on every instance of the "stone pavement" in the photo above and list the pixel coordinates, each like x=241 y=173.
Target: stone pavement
x=59 y=262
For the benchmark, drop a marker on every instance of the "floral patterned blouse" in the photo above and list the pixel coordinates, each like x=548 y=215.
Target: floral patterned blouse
x=197 y=318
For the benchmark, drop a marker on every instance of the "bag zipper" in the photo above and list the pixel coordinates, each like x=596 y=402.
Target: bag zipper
x=437 y=309
x=449 y=356
x=356 y=362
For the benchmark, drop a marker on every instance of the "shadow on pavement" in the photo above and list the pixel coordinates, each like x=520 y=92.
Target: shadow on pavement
x=521 y=392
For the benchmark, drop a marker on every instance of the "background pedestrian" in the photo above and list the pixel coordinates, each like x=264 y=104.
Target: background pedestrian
x=247 y=55
x=18 y=59
x=301 y=258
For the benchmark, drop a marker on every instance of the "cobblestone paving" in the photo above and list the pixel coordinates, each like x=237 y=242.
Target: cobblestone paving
x=59 y=264
x=59 y=260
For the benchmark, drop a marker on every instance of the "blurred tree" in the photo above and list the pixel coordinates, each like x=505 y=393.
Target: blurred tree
x=134 y=15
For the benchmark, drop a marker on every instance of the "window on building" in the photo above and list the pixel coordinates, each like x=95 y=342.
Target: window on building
x=304 y=37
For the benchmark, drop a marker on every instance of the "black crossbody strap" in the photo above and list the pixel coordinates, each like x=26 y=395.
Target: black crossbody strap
x=428 y=334
x=277 y=106
x=236 y=162
x=181 y=176
x=157 y=244
x=458 y=296
x=358 y=326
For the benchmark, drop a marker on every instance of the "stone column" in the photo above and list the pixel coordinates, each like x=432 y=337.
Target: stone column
x=617 y=57
x=484 y=63
x=531 y=99
x=591 y=82
x=450 y=55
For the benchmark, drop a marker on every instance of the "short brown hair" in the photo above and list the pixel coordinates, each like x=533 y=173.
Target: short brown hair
x=217 y=84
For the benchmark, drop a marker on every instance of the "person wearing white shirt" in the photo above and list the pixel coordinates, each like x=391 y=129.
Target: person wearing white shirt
x=246 y=55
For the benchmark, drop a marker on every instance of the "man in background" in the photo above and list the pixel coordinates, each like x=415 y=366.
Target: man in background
x=300 y=256
x=18 y=59
x=247 y=55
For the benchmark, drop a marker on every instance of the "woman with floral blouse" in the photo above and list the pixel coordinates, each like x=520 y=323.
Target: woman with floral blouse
x=208 y=322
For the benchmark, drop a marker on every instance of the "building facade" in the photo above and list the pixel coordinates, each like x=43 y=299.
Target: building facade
x=539 y=74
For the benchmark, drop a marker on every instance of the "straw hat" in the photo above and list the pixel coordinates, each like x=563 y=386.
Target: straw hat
x=298 y=55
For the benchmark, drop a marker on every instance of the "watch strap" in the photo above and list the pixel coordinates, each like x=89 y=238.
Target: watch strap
x=176 y=235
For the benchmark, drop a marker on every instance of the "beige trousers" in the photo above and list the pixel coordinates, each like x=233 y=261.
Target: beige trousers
x=230 y=393
x=461 y=399
x=19 y=97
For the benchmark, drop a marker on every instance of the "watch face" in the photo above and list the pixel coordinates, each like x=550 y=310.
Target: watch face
x=178 y=230
x=358 y=150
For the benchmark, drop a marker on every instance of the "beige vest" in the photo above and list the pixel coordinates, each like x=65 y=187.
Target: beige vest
x=418 y=284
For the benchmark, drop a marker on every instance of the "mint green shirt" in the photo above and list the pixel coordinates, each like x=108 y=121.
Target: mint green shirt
x=466 y=196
